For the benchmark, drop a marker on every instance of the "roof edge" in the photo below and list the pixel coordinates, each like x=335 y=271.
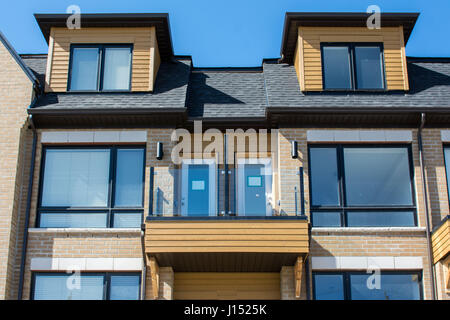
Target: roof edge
x=18 y=59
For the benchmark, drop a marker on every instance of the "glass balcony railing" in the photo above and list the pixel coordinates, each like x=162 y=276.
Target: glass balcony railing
x=204 y=189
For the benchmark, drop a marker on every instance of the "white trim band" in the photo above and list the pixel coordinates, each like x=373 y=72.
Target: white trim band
x=364 y=263
x=104 y=136
x=445 y=135
x=359 y=135
x=86 y=264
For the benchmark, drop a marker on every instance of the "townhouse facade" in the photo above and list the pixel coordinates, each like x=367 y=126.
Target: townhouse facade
x=128 y=173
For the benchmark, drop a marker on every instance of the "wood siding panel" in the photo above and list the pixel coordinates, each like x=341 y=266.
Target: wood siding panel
x=310 y=71
x=441 y=241
x=227 y=236
x=145 y=54
x=227 y=285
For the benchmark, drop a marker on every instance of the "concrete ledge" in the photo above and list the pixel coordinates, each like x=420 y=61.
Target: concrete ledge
x=112 y=231
x=104 y=136
x=359 y=135
x=365 y=230
x=445 y=135
x=365 y=263
x=86 y=264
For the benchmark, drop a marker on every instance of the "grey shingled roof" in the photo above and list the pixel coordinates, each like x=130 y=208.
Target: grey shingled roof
x=231 y=94
x=226 y=94
x=170 y=92
x=429 y=87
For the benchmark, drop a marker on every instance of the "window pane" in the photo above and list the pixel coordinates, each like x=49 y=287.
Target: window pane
x=381 y=219
x=336 y=62
x=326 y=219
x=73 y=220
x=391 y=287
x=129 y=177
x=127 y=220
x=117 y=69
x=76 y=178
x=329 y=286
x=377 y=176
x=125 y=287
x=324 y=177
x=447 y=167
x=84 y=73
x=68 y=287
x=369 y=68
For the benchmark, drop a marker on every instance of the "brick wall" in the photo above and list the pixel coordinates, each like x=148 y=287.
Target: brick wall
x=15 y=96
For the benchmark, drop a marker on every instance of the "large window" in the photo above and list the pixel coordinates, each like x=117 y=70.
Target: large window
x=352 y=66
x=361 y=186
x=364 y=286
x=92 y=187
x=100 y=68
x=86 y=286
x=447 y=166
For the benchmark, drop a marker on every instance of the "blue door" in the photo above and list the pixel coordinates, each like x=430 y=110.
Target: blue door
x=197 y=188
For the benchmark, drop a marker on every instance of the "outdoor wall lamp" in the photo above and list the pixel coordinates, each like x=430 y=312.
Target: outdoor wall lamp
x=294 y=149
x=159 y=151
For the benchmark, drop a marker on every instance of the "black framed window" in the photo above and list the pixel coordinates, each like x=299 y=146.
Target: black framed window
x=86 y=286
x=361 y=186
x=95 y=187
x=447 y=166
x=100 y=67
x=362 y=286
x=353 y=66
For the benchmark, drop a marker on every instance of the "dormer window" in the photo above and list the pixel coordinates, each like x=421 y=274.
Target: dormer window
x=100 y=68
x=353 y=66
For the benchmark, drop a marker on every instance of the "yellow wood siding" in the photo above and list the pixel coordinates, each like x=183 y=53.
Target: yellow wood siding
x=269 y=236
x=226 y=286
x=309 y=53
x=145 y=56
x=441 y=241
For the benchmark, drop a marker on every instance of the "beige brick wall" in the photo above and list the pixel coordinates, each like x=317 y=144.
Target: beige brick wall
x=389 y=243
x=166 y=282
x=15 y=96
x=287 y=284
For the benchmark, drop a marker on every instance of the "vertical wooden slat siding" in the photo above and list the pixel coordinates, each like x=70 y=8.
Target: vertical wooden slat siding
x=233 y=286
x=391 y=37
x=144 y=53
x=441 y=241
x=268 y=236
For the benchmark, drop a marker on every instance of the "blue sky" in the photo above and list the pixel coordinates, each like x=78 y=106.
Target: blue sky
x=234 y=33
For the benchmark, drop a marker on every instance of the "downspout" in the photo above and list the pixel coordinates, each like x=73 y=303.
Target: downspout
x=28 y=208
x=427 y=213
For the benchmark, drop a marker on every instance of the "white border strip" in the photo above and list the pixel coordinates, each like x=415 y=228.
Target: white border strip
x=86 y=264
x=363 y=263
x=359 y=135
x=104 y=136
x=445 y=135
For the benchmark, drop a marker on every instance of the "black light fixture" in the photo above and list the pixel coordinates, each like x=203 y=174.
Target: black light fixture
x=159 y=151
x=294 y=149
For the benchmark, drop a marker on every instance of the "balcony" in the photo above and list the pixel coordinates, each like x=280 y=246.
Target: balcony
x=208 y=218
x=441 y=240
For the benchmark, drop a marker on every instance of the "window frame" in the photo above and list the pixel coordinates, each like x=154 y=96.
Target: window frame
x=106 y=281
x=347 y=284
x=101 y=66
x=110 y=210
x=352 y=60
x=343 y=208
x=446 y=146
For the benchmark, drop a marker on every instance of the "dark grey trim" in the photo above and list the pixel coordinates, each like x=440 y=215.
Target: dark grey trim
x=130 y=111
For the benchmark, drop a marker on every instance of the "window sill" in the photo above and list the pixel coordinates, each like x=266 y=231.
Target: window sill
x=136 y=231
x=363 y=230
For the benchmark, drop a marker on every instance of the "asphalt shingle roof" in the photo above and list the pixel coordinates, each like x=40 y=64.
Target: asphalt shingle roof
x=222 y=94
x=232 y=94
x=429 y=87
x=170 y=92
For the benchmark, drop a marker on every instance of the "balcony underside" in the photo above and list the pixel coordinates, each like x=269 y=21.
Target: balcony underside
x=226 y=244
